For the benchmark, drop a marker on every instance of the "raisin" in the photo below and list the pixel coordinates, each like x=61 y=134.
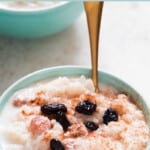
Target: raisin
x=110 y=115
x=86 y=107
x=56 y=145
x=62 y=119
x=91 y=125
x=49 y=109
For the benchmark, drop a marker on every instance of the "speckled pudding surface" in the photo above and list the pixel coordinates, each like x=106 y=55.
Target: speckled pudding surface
x=66 y=112
x=22 y=5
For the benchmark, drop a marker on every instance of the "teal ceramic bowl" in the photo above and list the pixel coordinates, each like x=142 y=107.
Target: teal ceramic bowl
x=55 y=72
x=38 y=23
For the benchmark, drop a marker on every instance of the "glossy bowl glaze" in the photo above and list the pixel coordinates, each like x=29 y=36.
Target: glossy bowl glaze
x=40 y=22
x=55 y=72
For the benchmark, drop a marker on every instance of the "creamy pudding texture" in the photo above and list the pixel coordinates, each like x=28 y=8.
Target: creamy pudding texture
x=66 y=114
x=24 y=5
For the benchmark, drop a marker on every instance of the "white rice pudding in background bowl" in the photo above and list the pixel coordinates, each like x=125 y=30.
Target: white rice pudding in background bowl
x=57 y=109
x=29 y=5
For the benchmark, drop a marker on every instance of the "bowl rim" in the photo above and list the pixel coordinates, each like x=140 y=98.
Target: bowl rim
x=51 y=7
x=11 y=89
x=41 y=71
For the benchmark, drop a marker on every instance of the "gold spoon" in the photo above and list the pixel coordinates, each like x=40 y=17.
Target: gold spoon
x=94 y=13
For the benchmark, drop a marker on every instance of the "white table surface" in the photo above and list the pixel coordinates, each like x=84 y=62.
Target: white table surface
x=124 y=47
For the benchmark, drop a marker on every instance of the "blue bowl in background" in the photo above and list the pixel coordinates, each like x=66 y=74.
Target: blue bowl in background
x=40 y=22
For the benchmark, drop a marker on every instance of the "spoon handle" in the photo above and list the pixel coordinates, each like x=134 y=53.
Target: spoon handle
x=94 y=12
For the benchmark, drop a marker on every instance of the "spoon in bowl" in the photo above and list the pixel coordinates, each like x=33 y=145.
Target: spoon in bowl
x=94 y=13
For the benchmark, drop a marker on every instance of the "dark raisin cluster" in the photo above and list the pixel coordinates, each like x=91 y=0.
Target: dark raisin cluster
x=91 y=125
x=59 y=111
x=55 y=144
x=110 y=115
x=86 y=107
x=49 y=109
x=62 y=119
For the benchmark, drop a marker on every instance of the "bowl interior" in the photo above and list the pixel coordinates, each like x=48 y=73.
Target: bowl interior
x=24 y=7
x=55 y=72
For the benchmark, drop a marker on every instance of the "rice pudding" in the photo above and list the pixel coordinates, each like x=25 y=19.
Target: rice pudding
x=30 y=5
x=66 y=114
